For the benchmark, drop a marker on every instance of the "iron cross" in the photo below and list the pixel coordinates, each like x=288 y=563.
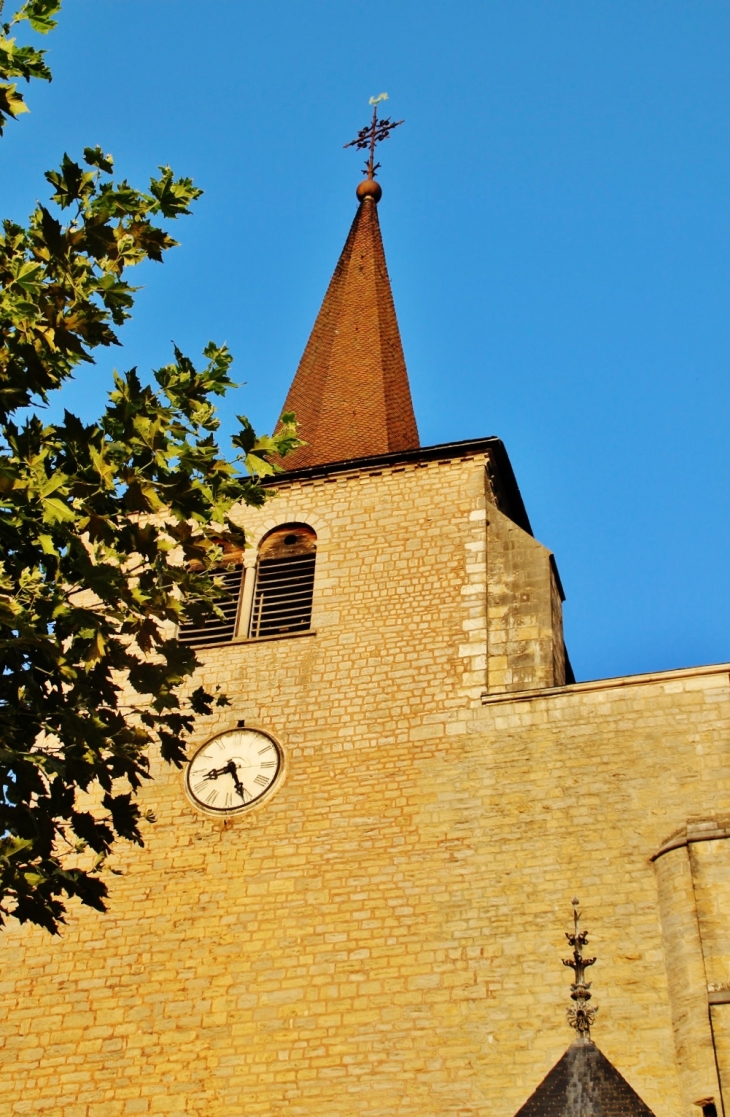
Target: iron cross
x=374 y=133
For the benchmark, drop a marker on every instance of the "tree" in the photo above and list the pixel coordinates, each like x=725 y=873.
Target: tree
x=110 y=533
x=23 y=62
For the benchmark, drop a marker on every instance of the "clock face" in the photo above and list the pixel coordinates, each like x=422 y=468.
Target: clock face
x=233 y=770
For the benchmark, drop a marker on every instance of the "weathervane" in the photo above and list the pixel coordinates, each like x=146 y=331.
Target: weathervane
x=580 y=1016
x=374 y=133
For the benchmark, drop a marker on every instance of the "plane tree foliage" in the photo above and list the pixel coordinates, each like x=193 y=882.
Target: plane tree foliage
x=110 y=531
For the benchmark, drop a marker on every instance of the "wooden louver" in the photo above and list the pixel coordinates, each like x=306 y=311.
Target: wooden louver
x=284 y=582
x=218 y=630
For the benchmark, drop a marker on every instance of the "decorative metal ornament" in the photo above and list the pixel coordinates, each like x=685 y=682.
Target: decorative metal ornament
x=579 y=1015
x=374 y=133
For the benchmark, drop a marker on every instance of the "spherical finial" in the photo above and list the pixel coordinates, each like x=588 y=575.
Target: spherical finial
x=369 y=188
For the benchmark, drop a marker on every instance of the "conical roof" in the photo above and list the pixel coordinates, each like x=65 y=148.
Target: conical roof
x=584 y=1084
x=351 y=395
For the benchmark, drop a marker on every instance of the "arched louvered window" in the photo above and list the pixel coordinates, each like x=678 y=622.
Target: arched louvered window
x=219 y=630
x=284 y=581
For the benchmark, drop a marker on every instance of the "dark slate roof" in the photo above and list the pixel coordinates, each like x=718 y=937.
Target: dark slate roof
x=584 y=1084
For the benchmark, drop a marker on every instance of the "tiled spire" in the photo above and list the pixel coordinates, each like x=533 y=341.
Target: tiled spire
x=351 y=395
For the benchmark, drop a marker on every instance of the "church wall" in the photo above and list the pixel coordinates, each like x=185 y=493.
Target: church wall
x=399 y=605
x=708 y=852
x=720 y=1019
x=686 y=979
x=381 y=937
x=525 y=636
x=593 y=779
x=557 y=636
x=430 y=535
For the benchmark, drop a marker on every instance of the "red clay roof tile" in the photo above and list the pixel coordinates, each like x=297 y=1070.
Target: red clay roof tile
x=351 y=394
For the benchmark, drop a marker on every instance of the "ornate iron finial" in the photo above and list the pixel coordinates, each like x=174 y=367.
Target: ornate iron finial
x=580 y=1016
x=374 y=133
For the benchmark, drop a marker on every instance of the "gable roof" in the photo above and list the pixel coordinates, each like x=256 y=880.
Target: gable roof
x=583 y=1083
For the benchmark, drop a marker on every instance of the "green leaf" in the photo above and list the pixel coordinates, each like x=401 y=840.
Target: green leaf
x=56 y=512
x=172 y=197
x=71 y=183
x=40 y=14
x=29 y=277
x=104 y=467
x=95 y=157
x=96 y=649
x=11 y=103
x=22 y=62
x=11 y=846
x=52 y=232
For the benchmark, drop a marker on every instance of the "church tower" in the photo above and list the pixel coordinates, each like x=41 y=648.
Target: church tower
x=346 y=906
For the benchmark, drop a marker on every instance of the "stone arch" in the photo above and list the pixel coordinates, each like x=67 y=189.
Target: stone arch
x=289 y=514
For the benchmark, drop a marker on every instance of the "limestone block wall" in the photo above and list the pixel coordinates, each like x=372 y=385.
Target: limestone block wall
x=525 y=627
x=417 y=566
x=687 y=980
x=644 y=755
x=382 y=937
x=399 y=605
x=693 y=873
x=710 y=860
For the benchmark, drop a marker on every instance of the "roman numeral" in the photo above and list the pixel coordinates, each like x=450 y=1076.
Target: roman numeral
x=199 y=788
x=266 y=749
x=212 y=797
x=268 y=763
x=262 y=781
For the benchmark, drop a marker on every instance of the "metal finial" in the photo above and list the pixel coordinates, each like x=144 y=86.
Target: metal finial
x=374 y=133
x=580 y=1016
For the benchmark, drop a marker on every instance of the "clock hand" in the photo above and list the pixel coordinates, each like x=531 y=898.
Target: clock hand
x=231 y=767
x=214 y=773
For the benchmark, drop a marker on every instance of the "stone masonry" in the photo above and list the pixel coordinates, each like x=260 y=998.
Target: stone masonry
x=382 y=936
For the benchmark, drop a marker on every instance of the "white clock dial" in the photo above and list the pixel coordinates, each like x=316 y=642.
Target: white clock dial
x=233 y=770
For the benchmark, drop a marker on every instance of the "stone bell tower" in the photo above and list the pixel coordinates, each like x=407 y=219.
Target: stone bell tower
x=352 y=885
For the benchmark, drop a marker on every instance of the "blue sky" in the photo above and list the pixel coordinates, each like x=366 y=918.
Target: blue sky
x=556 y=216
